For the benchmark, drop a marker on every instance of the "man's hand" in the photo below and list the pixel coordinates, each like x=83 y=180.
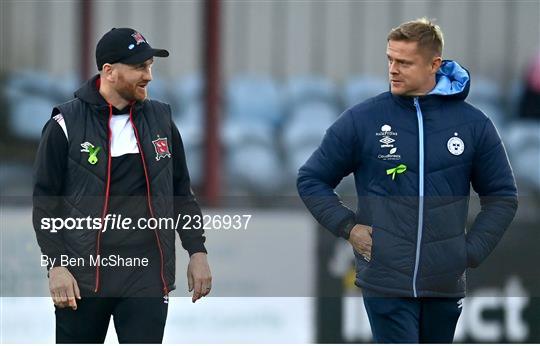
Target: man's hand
x=199 y=276
x=360 y=239
x=63 y=288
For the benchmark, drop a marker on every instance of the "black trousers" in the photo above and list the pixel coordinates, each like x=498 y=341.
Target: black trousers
x=412 y=320
x=136 y=320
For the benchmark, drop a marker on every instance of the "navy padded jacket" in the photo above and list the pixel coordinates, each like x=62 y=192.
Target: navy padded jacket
x=414 y=160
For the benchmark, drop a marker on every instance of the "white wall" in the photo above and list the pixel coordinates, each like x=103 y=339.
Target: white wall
x=332 y=38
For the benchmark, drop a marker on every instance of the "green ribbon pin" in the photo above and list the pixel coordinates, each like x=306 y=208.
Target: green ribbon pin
x=92 y=157
x=398 y=169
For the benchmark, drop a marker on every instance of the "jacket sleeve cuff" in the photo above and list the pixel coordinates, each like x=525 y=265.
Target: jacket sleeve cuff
x=194 y=245
x=472 y=258
x=56 y=262
x=345 y=227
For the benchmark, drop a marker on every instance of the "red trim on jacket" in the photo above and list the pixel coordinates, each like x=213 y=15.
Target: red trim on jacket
x=149 y=197
x=107 y=192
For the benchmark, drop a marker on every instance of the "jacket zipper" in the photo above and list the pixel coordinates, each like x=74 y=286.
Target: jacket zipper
x=149 y=199
x=107 y=191
x=420 y=191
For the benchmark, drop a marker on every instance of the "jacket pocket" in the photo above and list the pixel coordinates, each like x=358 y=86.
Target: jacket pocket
x=360 y=257
x=373 y=246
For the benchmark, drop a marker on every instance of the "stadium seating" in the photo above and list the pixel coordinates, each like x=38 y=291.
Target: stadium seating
x=253 y=112
x=312 y=106
x=522 y=141
x=268 y=129
x=30 y=98
x=186 y=103
x=487 y=96
x=254 y=99
x=360 y=88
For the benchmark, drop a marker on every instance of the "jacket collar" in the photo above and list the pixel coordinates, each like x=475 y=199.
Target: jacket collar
x=89 y=93
x=425 y=101
x=453 y=83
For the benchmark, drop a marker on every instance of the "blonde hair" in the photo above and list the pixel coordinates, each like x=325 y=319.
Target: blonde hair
x=428 y=35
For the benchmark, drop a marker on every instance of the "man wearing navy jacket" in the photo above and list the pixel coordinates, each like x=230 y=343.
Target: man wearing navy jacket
x=112 y=152
x=414 y=152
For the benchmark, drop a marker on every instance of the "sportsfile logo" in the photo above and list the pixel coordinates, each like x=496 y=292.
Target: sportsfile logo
x=118 y=222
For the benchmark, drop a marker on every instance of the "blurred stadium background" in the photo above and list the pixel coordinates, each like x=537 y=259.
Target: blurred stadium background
x=287 y=70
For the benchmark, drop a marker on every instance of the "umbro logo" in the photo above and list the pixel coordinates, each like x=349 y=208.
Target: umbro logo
x=386 y=134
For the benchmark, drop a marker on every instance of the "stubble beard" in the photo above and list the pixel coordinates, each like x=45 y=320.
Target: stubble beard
x=129 y=92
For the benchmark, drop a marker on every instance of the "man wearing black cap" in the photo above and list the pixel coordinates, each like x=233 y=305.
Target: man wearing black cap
x=113 y=154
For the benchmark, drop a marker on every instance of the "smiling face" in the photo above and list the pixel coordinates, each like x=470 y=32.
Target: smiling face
x=131 y=81
x=411 y=72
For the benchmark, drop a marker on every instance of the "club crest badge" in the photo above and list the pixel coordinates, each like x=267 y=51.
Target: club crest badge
x=455 y=145
x=138 y=38
x=162 y=148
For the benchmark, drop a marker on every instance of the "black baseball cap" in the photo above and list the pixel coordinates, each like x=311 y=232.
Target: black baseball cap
x=125 y=45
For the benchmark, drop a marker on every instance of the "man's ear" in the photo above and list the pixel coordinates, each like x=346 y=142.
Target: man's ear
x=108 y=73
x=436 y=64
